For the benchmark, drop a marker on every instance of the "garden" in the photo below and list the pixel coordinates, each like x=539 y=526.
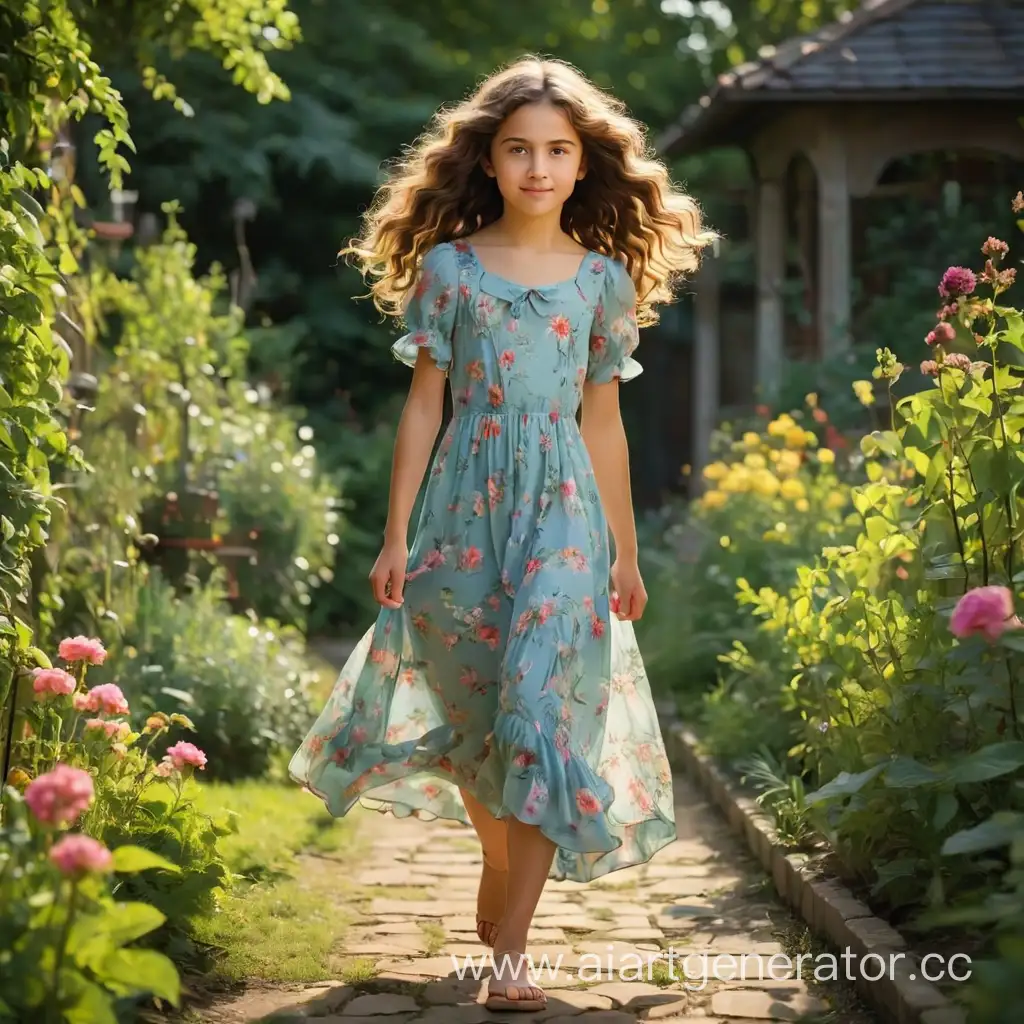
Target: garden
x=194 y=453
x=849 y=643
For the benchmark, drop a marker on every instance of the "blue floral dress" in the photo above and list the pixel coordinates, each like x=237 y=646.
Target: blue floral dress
x=505 y=672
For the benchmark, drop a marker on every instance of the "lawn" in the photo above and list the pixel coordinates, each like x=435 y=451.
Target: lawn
x=289 y=905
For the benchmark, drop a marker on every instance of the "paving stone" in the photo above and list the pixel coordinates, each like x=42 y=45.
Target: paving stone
x=381 y=947
x=634 y=995
x=380 y=1004
x=595 y=1017
x=393 y=876
x=581 y=999
x=421 y=967
x=669 y=1011
x=468 y=1013
x=436 y=871
x=604 y=958
x=452 y=992
x=411 y=908
x=682 y=887
x=759 y=1005
x=635 y=934
x=397 y=1018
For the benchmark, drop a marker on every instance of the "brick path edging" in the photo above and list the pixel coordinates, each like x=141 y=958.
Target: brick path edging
x=828 y=908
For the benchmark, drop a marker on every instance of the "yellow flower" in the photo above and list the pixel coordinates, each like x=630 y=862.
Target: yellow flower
x=752 y=440
x=812 y=400
x=765 y=483
x=835 y=499
x=789 y=462
x=796 y=437
x=778 y=427
x=755 y=461
x=737 y=481
x=802 y=505
x=826 y=456
x=792 y=489
x=724 y=541
x=716 y=471
x=864 y=391
x=714 y=499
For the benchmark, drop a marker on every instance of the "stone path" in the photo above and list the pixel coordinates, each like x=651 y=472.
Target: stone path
x=640 y=944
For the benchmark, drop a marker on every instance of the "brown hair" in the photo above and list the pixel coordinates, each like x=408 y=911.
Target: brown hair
x=626 y=206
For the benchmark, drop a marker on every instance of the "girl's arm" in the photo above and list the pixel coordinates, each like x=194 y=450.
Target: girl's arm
x=417 y=431
x=605 y=438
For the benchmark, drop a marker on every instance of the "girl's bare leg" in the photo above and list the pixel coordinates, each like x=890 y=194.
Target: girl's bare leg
x=530 y=853
x=491 y=896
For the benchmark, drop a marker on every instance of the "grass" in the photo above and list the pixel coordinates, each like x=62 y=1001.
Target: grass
x=287 y=908
x=433 y=936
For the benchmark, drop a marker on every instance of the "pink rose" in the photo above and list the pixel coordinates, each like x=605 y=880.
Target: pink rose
x=183 y=754
x=77 y=855
x=52 y=682
x=984 y=610
x=106 y=697
x=587 y=802
x=59 y=796
x=82 y=648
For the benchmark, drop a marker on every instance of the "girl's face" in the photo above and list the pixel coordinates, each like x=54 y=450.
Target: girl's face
x=536 y=158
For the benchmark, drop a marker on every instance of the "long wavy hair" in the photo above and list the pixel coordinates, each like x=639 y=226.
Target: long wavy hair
x=625 y=207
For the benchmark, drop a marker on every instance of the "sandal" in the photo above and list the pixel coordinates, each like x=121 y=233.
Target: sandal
x=486 y=931
x=521 y=1002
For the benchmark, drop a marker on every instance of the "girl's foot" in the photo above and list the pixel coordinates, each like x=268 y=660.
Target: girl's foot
x=509 y=987
x=490 y=903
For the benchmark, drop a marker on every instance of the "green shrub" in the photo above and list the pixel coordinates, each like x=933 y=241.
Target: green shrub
x=775 y=496
x=243 y=683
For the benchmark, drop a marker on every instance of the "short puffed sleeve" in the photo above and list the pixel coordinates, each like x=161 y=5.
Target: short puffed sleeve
x=614 y=334
x=430 y=310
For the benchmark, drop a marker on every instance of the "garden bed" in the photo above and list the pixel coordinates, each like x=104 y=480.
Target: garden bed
x=827 y=906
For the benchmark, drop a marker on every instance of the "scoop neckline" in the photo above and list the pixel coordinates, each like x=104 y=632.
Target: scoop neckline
x=587 y=255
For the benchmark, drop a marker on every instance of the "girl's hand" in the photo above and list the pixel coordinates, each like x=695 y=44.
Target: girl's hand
x=388 y=574
x=629 y=598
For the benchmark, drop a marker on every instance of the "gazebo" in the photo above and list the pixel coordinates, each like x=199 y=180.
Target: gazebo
x=892 y=79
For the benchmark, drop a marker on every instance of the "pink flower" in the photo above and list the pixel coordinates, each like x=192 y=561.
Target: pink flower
x=52 y=682
x=80 y=702
x=587 y=802
x=77 y=855
x=106 y=697
x=183 y=754
x=506 y=359
x=942 y=334
x=957 y=281
x=102 y=725
x=82 y=648
x=995 y=247
x=59 y=796
x=164 y=769
x=984 y=610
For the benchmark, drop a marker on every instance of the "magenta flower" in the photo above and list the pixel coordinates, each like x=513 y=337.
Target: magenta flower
x=82 y=648
x=53 y=682
x=106 y=697
x=957 y=281
x=77 y=855
x=984 y=610
x=59 y=796
x=183 y=754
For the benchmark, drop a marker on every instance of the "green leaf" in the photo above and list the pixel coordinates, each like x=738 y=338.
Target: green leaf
x=143 y=970
x=126 y=922
x=845 y=784
x=131 y=859
x=988 y=763
x=91 y=1006
x=906 y=773
x=946 y=806
x=1000 y=830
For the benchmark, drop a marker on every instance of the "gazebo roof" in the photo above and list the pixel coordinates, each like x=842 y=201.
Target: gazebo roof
x=885 y=51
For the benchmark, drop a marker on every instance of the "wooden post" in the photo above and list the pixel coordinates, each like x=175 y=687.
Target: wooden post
x=706 y=375
x=834 y=271
x=771 y=272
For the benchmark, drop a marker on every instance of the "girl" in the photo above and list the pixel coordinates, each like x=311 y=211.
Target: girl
x=525 y=240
